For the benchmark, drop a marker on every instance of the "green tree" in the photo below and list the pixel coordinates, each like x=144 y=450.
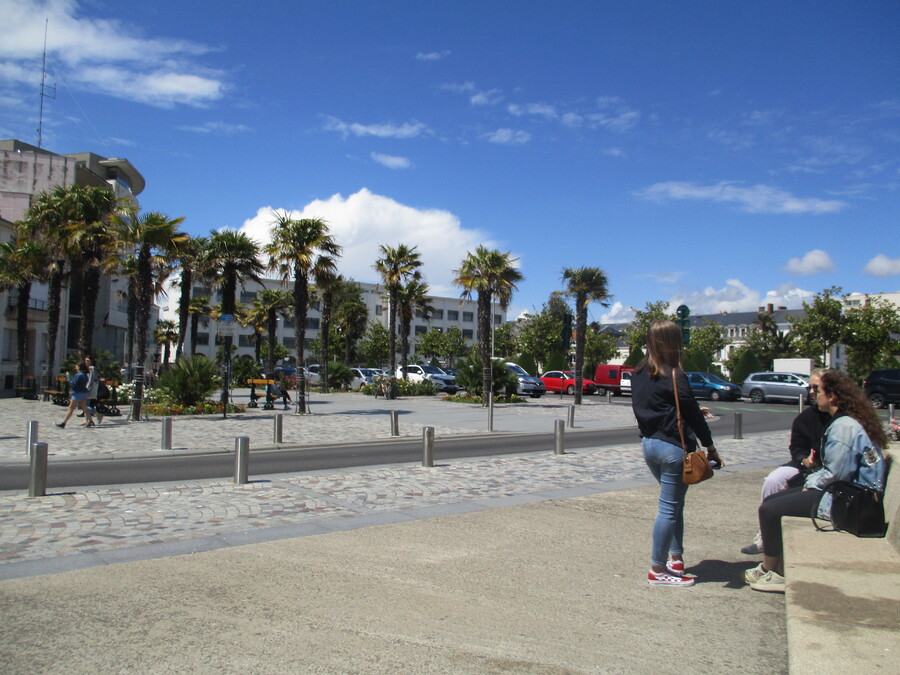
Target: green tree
x=707 y=340
x=489 y=275
x=396 y=266
x=164 y=334
x=412 y=298
x=190 y=257
x=301 y=248
x=741 y=362
x=869 y=335
x=198 y=307
x=375 y=345
x=327 y=279
x=350 y=316
x=431 y=344
x=232 y=257
x=506 y=344
x=599 y=348
x=455 y=345
x=539 y=335
x=822 y=327
x=272 y=303
x=636 y=333
x=583 y=286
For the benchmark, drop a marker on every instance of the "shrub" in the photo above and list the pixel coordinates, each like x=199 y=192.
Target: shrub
x=245 y=368
x=339 y=375
x=190 y=380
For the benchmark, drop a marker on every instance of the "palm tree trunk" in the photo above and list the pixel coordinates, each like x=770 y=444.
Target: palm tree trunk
x=301 y=302
x=195 y=325
x=484 y=341
x=54 y=301
x=580 y=328
x=22 y=331
x=392 y=334
x=324 y=339
x=89 y=290
x=272 y=328
x=184 y=304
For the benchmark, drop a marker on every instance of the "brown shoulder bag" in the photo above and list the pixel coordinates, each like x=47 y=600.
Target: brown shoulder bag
x=696 y=464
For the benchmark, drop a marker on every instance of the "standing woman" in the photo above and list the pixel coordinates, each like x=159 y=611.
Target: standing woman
x=653 y=401
x=851 y=451
x=79 y=396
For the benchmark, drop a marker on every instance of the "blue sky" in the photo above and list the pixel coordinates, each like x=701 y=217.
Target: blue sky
x=718 y=154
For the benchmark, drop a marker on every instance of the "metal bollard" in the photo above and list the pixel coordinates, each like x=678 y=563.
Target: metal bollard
x=279 y=428
x=31 y=436
x=395 y=423
x=801 y=399
x=166 y=433
x=738 y=425
x=559 y=438
x=571 y=420
x=241 y=458
x=608 y=397
x=37 y=477
x=890 y=411
x=491 y=411
x=428 y=446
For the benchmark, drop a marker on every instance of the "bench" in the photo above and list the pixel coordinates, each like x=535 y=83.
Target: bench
x=842 y=594
x=268 y=395
x=60 y=395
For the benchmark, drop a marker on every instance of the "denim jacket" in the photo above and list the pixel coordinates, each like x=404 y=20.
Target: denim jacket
x=847 y=454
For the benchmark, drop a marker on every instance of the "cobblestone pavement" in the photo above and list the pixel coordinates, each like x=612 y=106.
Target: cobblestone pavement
x=116 y=518
x=335 y=418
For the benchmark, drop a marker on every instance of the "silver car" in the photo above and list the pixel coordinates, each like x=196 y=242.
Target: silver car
x=760 y=387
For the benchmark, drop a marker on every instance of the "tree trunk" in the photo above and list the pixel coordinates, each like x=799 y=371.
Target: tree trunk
x=89 y=290
x=484 y=341
x=301 y=303
x=580 y=328
x=184 y=304
x=22 y=331
x=54 y=300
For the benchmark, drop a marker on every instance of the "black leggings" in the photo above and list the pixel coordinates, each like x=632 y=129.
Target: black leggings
x=791 y=502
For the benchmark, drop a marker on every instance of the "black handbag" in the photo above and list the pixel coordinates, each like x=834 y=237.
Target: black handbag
x=855 y=509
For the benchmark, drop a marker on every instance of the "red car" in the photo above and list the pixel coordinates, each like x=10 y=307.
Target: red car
x=564 y=380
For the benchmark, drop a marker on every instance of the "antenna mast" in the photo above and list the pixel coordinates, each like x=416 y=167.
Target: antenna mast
x=44 y=89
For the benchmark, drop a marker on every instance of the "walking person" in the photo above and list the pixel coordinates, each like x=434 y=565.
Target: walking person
x=653 y=401
x=79 y=396
x=852 y=451
x=93 y=389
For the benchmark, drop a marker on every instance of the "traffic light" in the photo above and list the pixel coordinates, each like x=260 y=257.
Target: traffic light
x=684 y=322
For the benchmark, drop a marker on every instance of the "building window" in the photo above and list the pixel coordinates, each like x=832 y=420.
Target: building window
x=437 y=314
x=289 y=342
x=247 y=297
x=201 y=291
x=468 y=333
x=378 y=310
x=421 y=330
x=497 y=319
x=202 y=339
x=452 y=315
x=245 y=341
x=289 y=322
x=312 y=323
x=468 y=317
x=315 y=305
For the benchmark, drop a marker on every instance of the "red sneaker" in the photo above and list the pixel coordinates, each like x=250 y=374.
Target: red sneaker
x=664 y=579
x=675 y=567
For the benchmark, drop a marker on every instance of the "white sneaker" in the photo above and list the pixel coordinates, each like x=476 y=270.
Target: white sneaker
x=664 y=579
x=770 y=582
x=756 y=547
x=753 y=575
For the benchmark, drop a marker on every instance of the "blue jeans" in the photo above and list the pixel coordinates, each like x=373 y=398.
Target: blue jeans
x=666 y=462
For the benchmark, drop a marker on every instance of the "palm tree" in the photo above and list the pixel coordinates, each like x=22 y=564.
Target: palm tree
x=327 y=280
x=413 y=297
x=350 y=315
x=231 y=257
x=396 y=265
x=299 y=248
x=190 y=255
x=271 y=303
x=489 y=274
x=165 y=333
x=583 y=285
x=22 y=263
x=59 y=215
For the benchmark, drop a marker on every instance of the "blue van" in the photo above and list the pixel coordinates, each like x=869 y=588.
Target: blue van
x=707 y=385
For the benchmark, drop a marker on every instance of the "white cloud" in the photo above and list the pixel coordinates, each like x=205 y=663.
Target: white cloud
x=618 y=313
x=508 y=137
x=405 y=130
x=489 y=97
x=735 y=296
x=108 y=57
x=433 y=56
x=755 y=199
x=538 y=109
x=816 y=261
x=615 y=114
x=882 y=266
x=363 y=221
x=390 y=161
x=217 y=128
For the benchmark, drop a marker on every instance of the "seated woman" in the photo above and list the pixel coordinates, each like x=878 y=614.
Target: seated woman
x=851 y=451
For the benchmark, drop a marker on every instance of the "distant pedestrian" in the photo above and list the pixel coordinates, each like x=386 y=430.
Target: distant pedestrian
x=93 y=388
x=653 y=400
x=79 y=383
x=284 y=392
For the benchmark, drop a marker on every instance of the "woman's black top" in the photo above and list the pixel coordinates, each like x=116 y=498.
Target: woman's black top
x=653 y=402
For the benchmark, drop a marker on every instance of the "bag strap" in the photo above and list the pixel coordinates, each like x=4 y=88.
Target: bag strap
x=678 y=412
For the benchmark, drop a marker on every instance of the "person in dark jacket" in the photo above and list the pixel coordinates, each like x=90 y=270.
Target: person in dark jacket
x=653 y=401
x=79 y=395
x=807 y=433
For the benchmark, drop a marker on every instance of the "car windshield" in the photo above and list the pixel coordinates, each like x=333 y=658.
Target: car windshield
x=714 y=378
x=433 y=370
x=517 y=369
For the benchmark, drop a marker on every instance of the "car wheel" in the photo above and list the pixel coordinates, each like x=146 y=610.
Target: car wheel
x=714 y=396
x=878 y=399
x=570 y=390
x=601 y=391
x=757 y=396
x=535 y=395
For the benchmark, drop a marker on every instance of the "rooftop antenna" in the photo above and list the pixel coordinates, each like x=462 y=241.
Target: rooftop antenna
x=44 y=89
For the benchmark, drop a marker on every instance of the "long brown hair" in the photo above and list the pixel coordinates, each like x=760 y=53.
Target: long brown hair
x=664 y=348
x=850 y=399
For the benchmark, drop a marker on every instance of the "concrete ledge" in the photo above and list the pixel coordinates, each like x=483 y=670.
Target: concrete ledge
x=843 y=596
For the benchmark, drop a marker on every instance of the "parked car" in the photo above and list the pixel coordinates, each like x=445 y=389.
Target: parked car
x=760 y=387
x=613 y=377
x=564 y=380
x=442 y=381
x=883 y=386
x=285 y=371
x=527 y=385
x=312 y=373
x=363 y=376
x=711 y=386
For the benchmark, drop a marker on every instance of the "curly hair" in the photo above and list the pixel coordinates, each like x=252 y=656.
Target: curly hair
x=850 y=399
